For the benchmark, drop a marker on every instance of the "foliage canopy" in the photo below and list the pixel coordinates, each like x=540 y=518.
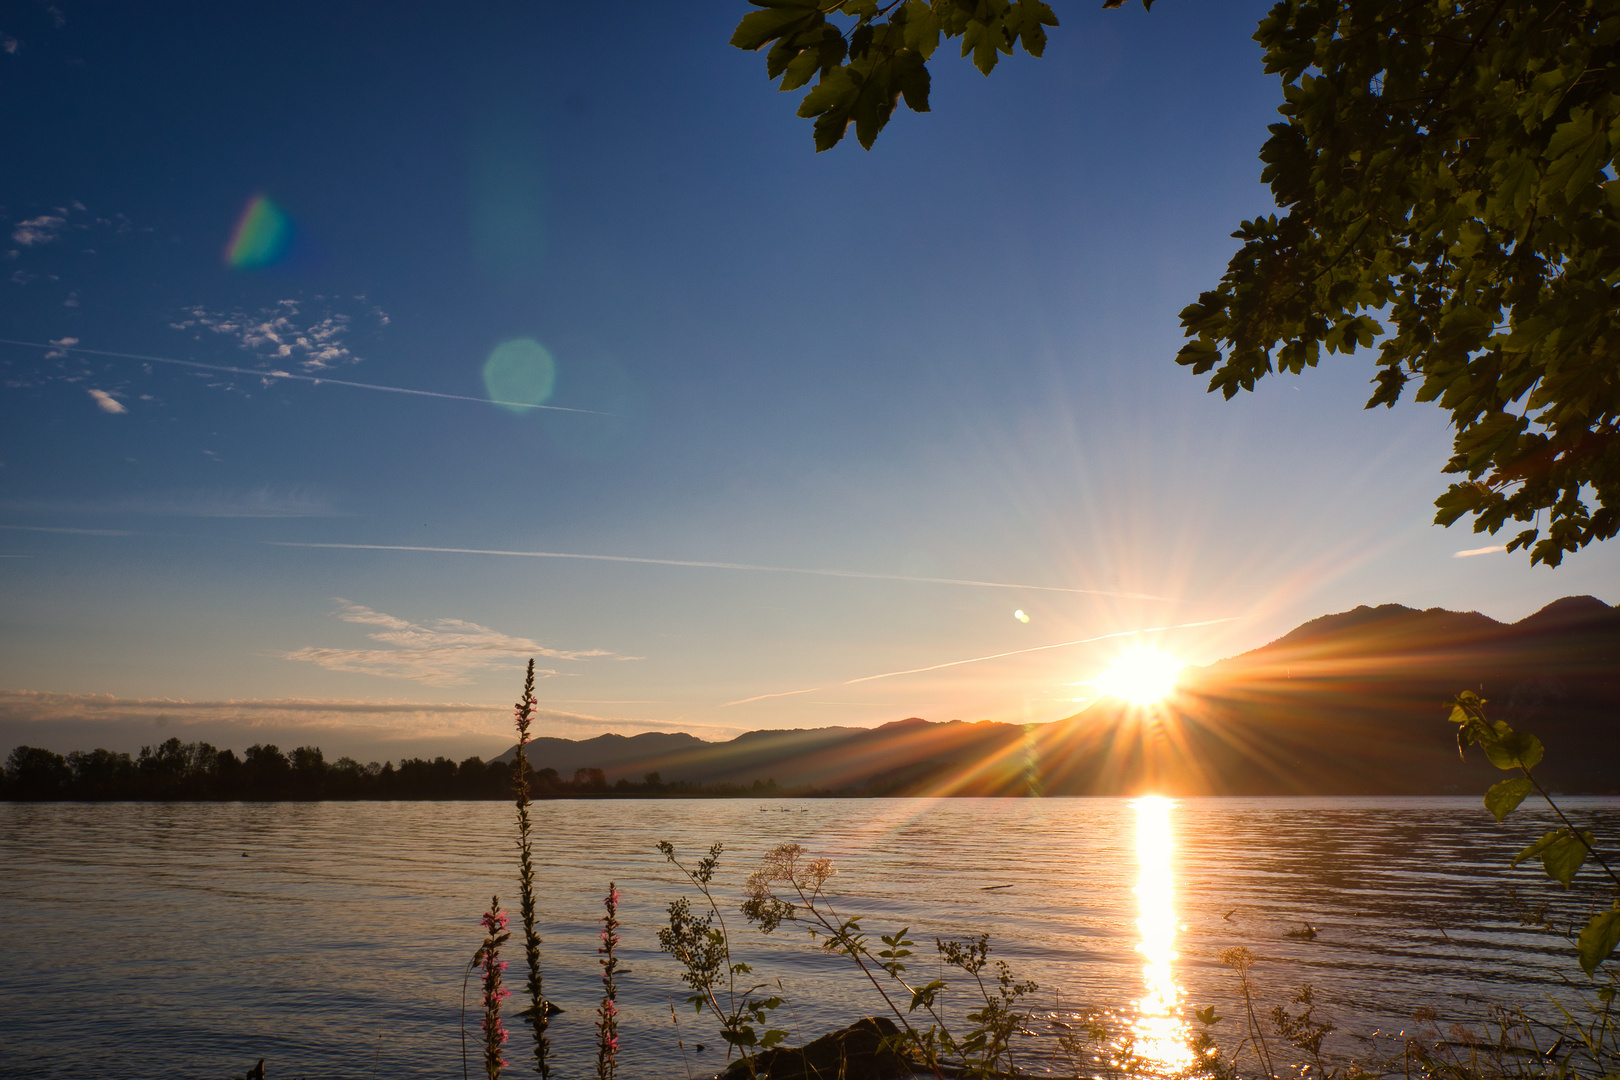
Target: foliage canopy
x=1444 y=172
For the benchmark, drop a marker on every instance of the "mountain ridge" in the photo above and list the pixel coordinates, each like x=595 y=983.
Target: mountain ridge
x=1348 y=703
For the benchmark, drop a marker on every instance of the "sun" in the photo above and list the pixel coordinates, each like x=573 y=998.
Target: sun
x=1142 y=676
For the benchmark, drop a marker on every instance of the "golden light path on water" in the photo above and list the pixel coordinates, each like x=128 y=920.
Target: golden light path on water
x=1161 y=1037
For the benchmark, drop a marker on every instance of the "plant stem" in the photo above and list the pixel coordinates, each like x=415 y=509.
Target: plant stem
x=538 y=1019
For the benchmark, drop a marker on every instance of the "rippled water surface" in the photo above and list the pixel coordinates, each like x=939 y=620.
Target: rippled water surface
x=190 y=940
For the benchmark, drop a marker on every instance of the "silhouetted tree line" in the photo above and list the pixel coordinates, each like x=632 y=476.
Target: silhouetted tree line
x=197 y=770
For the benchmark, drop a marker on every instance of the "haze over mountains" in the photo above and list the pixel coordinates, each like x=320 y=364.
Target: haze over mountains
x=1351 y=703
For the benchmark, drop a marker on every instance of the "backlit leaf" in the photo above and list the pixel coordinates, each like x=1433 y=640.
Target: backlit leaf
x=1598 y=939
x=1509 y=749
x=1562 y=853
x=1505 y=796
x=760 y=27
x=1536 y=848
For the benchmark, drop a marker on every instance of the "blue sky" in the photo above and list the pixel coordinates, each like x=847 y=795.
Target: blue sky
x=948 y=358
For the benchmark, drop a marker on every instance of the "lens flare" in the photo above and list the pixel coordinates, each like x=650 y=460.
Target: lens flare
x=1020 y=616
x=520 y=370
x=1160 y=1036
x=262 y=237
x=1141 y=676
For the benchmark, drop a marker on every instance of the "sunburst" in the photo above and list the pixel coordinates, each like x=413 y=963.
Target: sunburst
x=1142 y=676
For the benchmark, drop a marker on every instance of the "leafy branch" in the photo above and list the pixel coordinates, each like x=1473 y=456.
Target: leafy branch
x=1563 y=851
x=703 y=947
x=984 y=1050
x=864 y=66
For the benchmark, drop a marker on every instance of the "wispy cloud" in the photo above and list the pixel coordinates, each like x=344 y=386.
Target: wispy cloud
x=1471 y=552
x=367 y=729
x=107 y=403
x=439 y=653
x=282 y=332
x=59 y=223
x=261 y=502
x=857 y=574
x=59 y=348
x=992 y=656
x=270 y=375
x=42 y=229
x=74 y=532
x=1043 y=648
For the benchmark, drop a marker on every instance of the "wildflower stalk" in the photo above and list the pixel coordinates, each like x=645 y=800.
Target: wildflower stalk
x=607 y=1024
x=1239 y=959
x=537 y=1011
x=495 y=935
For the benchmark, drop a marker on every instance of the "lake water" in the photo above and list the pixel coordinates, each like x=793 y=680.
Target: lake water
x=191 y=940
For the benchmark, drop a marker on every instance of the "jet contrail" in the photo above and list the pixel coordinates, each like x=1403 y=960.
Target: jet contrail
x=861 y=574
x=762 y=697
x=290 y=375
x=992 y=656
x=75 y=532
x=1042 y=648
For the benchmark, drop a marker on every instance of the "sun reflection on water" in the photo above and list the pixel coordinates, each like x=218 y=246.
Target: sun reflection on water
x=1161 y=1037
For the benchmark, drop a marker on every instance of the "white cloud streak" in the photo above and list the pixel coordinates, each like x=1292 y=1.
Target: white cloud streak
x=992 y=656
x=107 y=403
x=75 y=532
x=439 y=653
x=856 y=574
x=1042 y=648
x=367 y=729
x=1471 y=552
x=261 y=502
x=273 y=375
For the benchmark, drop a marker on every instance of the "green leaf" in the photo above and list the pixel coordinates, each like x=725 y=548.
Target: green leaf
x=921 y=28
x=1562 y=853
x=1200 y=354
x=1536 y=848
x=761 y=27
x=925 y=994
x=1504 y=797
x=911 y=78
x=1207 y=1016
x=1564 y=858
x=1509 y=749
x=800 y=70
x=1598 y=940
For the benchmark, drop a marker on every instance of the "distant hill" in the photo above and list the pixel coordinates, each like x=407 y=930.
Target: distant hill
x=1350 y=703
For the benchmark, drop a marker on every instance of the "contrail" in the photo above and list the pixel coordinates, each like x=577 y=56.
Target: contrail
x=1492 y=550
x=291 y=375
x=992 y=656
x=1042 y=648
x=762 y=697
x=861 y=574
x=75 y=532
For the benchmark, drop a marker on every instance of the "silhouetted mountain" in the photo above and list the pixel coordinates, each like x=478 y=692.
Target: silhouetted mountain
x=618 y=755
x=1351 y=703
